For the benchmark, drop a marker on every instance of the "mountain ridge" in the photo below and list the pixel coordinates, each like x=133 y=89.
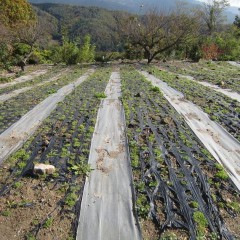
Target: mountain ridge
x=136 y=6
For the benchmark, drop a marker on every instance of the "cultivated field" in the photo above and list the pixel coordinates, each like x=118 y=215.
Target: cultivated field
x=140 y=152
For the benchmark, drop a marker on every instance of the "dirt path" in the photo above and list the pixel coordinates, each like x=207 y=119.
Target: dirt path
x=14 y=137
x=24 y=78
x=107 y=203
x=12 y=94
x=223 y=146
x=227 y=92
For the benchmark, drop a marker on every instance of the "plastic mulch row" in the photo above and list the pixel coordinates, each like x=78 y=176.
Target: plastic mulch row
x=46 y=76
x=64 y=139
x=222 y=109
x=180 y=177
x=13 y=109
x=230 y=78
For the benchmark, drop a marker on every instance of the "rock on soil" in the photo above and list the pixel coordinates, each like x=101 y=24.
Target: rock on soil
x=40 y=168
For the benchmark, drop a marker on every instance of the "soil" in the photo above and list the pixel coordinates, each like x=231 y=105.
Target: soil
x=24 y=209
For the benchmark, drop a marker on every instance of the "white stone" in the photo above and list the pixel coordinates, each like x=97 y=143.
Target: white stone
x=40 y=168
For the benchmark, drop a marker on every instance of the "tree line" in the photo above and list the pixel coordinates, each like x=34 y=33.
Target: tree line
x=67 y=34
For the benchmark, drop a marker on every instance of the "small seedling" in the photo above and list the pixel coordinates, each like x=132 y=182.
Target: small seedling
x=48 y=223
x=100 y=95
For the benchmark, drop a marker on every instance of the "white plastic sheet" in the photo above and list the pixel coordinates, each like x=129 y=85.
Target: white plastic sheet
x=107 y=204
x=15 y=136
x=227 y=92
x=222 y=145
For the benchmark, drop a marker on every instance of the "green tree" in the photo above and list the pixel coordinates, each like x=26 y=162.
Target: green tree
x=15 y=13
x=17 y=26
x=87 y=50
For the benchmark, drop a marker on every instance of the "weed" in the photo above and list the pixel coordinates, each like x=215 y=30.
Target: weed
x=51 y=91
x=6 y=213
x=222 y=175
x=81 y=168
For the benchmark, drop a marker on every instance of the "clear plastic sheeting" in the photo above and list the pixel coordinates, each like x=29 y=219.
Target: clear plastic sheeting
x=14 y=137
x=24 y=78
x=227 y=92
x=107 y=204
x=222 y=145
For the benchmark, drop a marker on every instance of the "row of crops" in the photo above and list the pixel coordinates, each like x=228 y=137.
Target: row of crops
x=220 y=108
x=178 y=184
x=14 y=108
x=63 y=140
x=181 y=191
x=218 y=73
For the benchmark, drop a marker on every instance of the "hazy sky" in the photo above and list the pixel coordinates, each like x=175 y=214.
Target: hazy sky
x=233 y=3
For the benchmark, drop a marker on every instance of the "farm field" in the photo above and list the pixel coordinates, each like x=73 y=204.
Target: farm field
x=219 y=73
x=175 y=187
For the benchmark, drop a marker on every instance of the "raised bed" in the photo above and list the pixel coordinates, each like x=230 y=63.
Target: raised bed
x=219 y=107
x=182 y=192
x=13 y=109
x=48 y=205
x=52 y=72
x=219 y=73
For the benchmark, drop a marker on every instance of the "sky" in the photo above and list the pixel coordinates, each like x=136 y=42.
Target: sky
x=233 y=3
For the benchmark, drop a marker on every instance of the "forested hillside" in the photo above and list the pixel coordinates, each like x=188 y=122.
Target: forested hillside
x=77 y=21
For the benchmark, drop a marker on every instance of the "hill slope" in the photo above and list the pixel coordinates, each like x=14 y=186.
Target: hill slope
x=78 y=21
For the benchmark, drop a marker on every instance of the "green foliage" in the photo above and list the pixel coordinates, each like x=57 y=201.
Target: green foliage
x=234 y=206
x=194 y=204
x=221 y=174
x=16 y=12
x=100 y=95
x=30 y=236
x=86 y=51
x=142 y=206
x=67 y=53
x=81 y=168
x=168 y=236
x=155 y=89
x=200 y=221
x=195 y=52
x=71 y=199
x=71 y=53
x=17 y=185
x=48 y=223
x=6 y=213
x=20 y=155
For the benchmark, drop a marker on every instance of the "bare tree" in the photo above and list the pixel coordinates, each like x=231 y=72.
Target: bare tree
x=158 y=31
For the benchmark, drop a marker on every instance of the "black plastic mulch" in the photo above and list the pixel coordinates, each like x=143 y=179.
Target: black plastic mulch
x=220 y=108
x=13 y=109
x=173 y=165
x=64 y=141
